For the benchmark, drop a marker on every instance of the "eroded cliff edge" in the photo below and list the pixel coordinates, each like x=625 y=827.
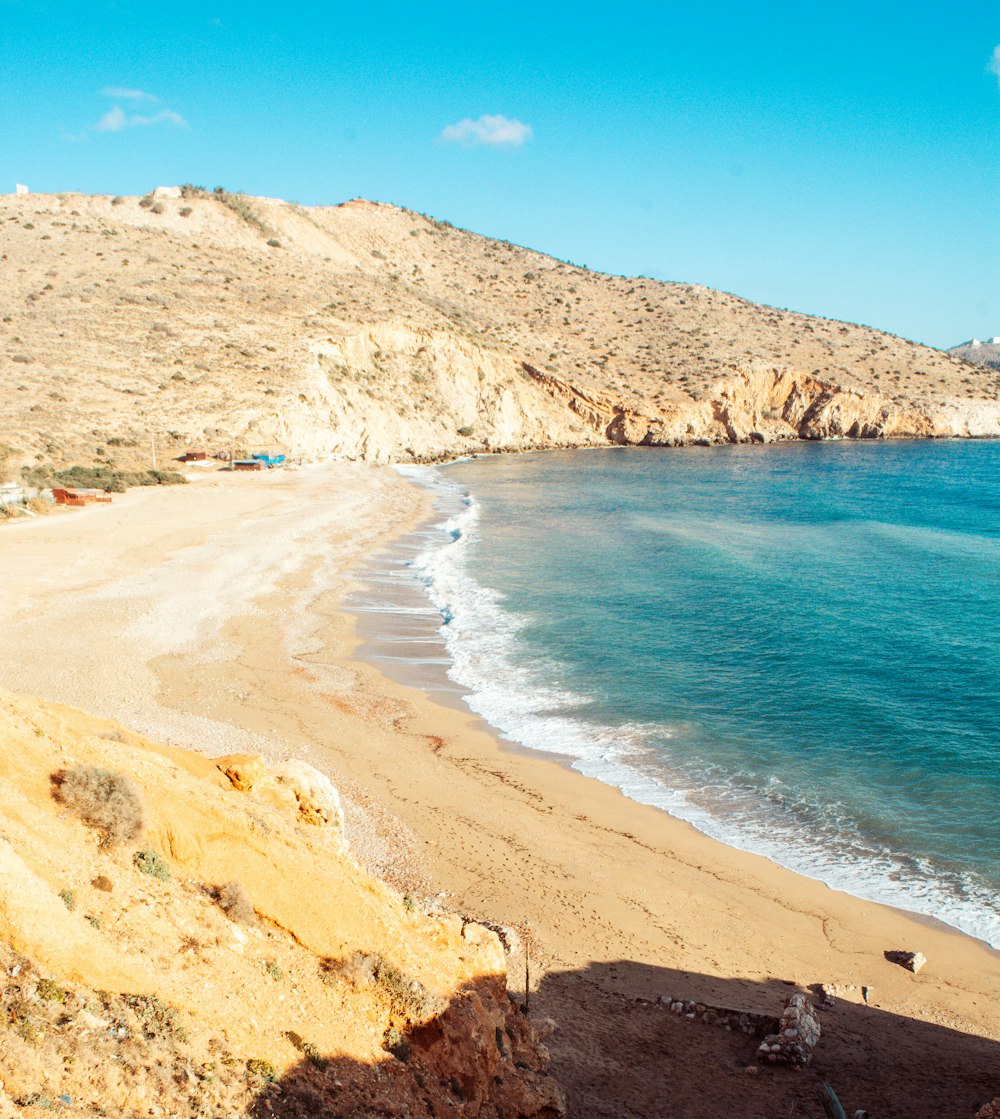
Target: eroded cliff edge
x=217 y=951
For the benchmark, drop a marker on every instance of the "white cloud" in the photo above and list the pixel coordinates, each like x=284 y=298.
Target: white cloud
x=496 y=131
x=122 y=93
x=114 y=120
x=164 y=116
x=117 y=120
x=994 y=63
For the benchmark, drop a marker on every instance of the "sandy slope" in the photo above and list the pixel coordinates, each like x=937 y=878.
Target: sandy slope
x=208 y=615
x=136 y=994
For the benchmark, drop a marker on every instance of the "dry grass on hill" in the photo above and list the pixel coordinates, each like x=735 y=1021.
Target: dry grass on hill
x=376 y=332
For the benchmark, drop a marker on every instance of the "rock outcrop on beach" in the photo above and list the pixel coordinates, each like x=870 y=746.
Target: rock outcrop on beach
x=218 y=952
x=132 y=327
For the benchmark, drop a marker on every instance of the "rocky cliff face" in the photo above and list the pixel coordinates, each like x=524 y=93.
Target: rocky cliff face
x=214 y=950
x=362 y=330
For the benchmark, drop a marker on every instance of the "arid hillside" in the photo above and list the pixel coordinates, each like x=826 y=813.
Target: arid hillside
x=978 y=352
x=237 y=324
x=183 y=936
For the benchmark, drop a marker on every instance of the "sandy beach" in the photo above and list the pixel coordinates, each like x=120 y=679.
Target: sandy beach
x=210 y=616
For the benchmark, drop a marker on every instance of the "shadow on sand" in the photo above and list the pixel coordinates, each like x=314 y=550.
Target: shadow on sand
x=635 y=1058
x=618 y=1052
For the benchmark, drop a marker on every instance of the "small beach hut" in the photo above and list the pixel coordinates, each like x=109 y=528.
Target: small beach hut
x=63 y=495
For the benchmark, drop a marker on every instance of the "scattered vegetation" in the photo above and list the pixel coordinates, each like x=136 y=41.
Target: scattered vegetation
x=395 y=1043
x=263 y=1070
x=104 y=800
x=53 y=1058
x=104 y=477
x=240 y=206
x=157 y=1019
x=235 y=903
x=307 y=1049
x=69 y=899
x=274 y=970
x=151 y=863
x=8 y=459
x=408 y=999
x=50 y=991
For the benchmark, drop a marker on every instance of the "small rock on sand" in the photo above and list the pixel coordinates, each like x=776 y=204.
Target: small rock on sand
x=912 y=961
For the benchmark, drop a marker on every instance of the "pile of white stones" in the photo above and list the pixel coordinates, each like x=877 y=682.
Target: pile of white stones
x=796 y=1037
x=749 y=1022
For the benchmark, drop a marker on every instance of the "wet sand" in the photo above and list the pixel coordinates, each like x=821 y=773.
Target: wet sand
x=211 y=616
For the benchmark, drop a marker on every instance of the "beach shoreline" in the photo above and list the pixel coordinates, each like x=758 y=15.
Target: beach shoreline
x=212 y=616
x=403 y=616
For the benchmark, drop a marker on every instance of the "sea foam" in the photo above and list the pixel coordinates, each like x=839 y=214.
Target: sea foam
x=522 y=693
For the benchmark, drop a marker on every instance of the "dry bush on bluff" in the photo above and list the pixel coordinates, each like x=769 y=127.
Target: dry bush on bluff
x=105 y=800
x=235 y=903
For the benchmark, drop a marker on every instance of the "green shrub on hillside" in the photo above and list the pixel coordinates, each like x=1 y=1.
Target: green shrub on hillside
x=158 y=1019
x=103 y=478
x=149 y=862
x=50 y=991
x=240 y=206
x=261 y=1069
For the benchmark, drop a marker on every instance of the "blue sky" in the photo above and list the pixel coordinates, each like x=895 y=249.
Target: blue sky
x=839 y=159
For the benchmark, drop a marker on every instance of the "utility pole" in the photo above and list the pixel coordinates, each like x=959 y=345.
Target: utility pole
x=153 y=437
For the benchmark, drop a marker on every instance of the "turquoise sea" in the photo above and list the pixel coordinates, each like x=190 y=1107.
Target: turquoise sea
x=795 y=647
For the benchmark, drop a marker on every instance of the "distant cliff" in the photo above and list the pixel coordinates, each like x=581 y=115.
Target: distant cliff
x=235 y=324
